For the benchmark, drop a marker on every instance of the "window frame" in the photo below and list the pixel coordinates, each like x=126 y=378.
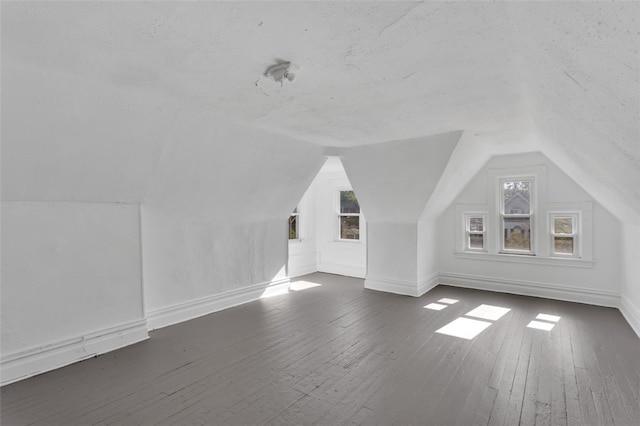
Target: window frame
x=502 y=215
x=467 y=216
x=576 y=233
x=296 y=213
x=340 y=215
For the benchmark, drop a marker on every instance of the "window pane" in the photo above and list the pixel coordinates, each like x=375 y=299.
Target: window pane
x=517 y=233
x=476 y=224
x=476 y=241
x=350 y=227
x=563 y=225
x=563 y=245
x=293 y=227
x=349 y=202
x=517 y=197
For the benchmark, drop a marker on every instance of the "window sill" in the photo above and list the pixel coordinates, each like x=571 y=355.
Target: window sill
x=339 y=240
x=528 y=259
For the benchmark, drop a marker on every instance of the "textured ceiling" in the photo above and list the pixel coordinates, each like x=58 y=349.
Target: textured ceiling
x=370 y=72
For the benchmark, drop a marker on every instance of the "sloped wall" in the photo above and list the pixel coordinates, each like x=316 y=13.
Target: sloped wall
x=215 y=219
x=394 y=182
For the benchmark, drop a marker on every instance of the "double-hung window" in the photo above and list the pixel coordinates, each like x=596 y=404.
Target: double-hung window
x=516 y=215
x=294 y=225
x=564 y=234
x=349 y=216
x=475 y=229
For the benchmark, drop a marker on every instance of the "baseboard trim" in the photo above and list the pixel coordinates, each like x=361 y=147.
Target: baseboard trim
x=184 y=311
x=532 y=288
x=631 y=313
x=406 y=288
x=428 y=283
x=302 y=270
x=339 y=269
x=24 y=364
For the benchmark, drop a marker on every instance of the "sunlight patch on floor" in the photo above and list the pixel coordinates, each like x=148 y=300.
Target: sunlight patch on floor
x=540 y=325
x=488 y=312
x=546 y=317
x=302 y=285
x=435 y=306
x=448 y=301
x=464 y=328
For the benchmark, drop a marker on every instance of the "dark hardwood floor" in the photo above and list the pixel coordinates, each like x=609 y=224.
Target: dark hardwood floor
x=339 y=354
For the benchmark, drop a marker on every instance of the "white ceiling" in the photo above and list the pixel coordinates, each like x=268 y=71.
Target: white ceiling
x=370 y=72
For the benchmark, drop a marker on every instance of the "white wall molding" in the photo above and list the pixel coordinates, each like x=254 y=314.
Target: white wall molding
x=531 y=288
x=342 y=269
x=631 y=313
x=407 y=288
x=40 y=359
x=428 y=283
x=184 y=311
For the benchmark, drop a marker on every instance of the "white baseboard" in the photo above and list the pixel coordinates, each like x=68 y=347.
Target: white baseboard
x=339 y=269
x=407 y=288
x=631 y=313
x=428 y=283
x=532 y=288
x=21 y=365
x=299 y=271
x=184 y=311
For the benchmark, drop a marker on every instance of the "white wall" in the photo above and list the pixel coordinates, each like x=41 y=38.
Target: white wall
x=71 y=283
x=303 y=251
x=598 y=283
x=337 y=256
x=630 y=292
x=215 y=218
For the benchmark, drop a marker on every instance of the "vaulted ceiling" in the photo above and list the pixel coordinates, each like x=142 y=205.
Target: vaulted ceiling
x=110 y=82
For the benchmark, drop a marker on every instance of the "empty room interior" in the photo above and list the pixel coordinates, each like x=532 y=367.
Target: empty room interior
x=327 y=212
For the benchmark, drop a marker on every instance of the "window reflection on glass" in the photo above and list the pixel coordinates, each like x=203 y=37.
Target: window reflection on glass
x=350 y=227
x=563 y=225
x=476 y=224
x=517 y=233
x=476 y=241
x=563 y=245
x=349 y=202
x=517 y=197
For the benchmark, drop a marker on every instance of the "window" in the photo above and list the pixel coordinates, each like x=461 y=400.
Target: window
x=516 y=215
x=475 y=228
x=349 y=216
x=294 y=233
x=564 y=234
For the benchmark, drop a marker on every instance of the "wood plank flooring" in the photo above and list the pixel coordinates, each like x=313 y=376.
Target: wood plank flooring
x=338 y=354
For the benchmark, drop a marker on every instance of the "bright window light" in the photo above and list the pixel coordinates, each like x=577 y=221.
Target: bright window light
x=448 y=301
x=302 y=285
x=540 y=325
x=435 y=306
x=488 y=312
x=545 y=317
x=464 y=327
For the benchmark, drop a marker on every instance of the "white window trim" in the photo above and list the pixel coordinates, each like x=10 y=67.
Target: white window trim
x=531 y=215
x=338 y=215
x=467 y=232
x=298 y=225
x=542 y=247
x=576 y=235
